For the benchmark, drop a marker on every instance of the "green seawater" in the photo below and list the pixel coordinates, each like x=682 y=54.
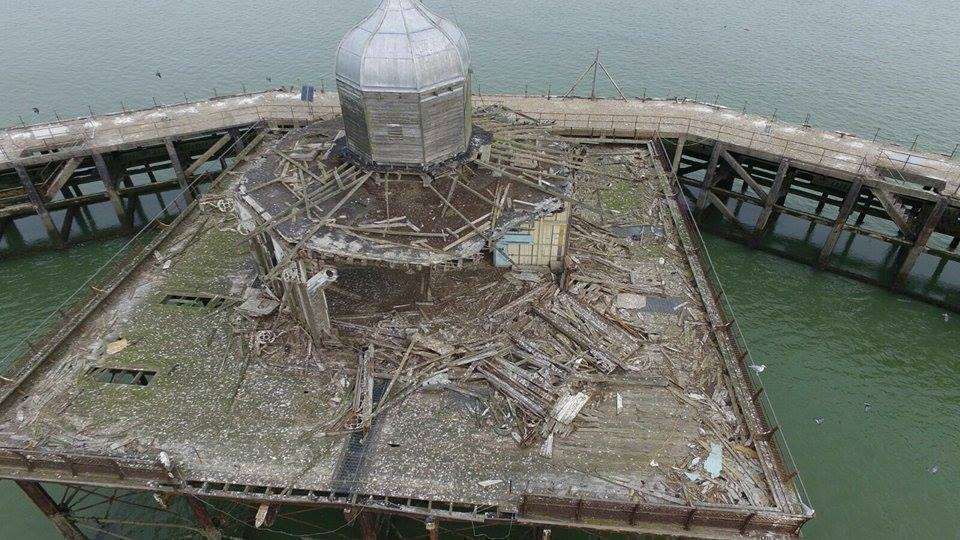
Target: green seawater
x=878 y=370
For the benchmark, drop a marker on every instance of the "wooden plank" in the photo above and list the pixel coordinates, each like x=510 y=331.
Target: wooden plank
x=63 y=176
x=205 y=157
x=845 y=209
x=39 y=206
x=920 y=244
x=708 y=178
x=743 y=174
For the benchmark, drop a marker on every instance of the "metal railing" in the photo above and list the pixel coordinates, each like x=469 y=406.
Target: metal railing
x=766 y=140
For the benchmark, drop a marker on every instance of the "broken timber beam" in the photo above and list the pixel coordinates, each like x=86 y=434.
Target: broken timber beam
x=204 y=157
x=63 y=176
x=210 y=530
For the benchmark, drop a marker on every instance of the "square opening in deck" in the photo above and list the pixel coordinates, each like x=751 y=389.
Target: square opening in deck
x=194 y=300
x=135 y=377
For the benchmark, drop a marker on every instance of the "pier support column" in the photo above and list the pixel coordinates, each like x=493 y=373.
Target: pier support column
x=39 y=206
x=708 y=177
x=49 y=507
x=920 y=244
x=177 y=165
x=433 y=529
x=831 y=242
x=369 y=524
x=776 y=196
x=681 y=142
x=110 y=185
x=210 y=529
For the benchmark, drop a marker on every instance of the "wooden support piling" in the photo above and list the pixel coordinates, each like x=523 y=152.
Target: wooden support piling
x=39 y=206
x=178 y=170
x=110 y=185
x=920 y=243
x=200 y=161
x=369 y=525
x=210 y=529
x=709 y=176
x=848 y=203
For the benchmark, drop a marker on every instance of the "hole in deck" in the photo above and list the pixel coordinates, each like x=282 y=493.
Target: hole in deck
x=134 y=377
x=192 y=300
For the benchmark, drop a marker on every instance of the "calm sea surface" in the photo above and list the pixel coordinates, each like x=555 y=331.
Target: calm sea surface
x=890 y=469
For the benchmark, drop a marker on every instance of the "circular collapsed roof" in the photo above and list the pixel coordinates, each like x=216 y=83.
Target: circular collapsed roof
x=403 y=47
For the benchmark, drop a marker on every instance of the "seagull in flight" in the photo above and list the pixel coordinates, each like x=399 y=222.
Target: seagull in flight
x=159 y=75
x=36 y=110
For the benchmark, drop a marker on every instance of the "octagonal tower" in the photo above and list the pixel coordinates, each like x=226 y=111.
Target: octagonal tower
x=403 y=75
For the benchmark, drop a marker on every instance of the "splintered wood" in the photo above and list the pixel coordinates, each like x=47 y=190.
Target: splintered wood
x=548 y=357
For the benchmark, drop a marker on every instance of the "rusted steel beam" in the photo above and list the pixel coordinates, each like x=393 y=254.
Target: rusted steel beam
x=845 y=209
x=60 y=518
x=39 y=206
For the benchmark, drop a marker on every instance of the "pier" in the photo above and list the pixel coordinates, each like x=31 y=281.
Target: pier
x=149 y=387
x=156 y=386
x=748 y=170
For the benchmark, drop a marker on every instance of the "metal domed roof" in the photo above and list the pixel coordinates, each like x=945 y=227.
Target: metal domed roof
x=402 y=46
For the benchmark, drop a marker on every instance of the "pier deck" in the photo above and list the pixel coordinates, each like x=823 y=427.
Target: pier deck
x=159 y=365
